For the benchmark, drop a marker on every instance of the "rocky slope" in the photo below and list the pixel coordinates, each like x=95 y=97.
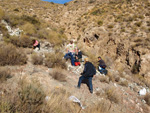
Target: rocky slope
x=119 y=31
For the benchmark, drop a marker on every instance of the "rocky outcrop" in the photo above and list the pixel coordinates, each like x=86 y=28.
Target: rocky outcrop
x=12 y=32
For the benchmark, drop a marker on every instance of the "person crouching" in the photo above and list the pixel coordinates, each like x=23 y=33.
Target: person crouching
x=36 y=44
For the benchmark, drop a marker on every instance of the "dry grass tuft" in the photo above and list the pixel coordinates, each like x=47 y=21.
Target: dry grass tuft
x=37 y=59
x=10 y=55
x=4 y=74
x=123 y=83
x=59 y=102
x=112 y=95
x=147 y=99
x=1 y=13
x=58 y=74
x=104 y=79
x=102 y=107
x=55 y=60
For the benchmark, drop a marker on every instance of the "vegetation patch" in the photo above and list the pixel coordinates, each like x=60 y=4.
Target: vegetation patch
x=58 y=74
x=4 y=74
x=10 y=55
x=37 y=59
x=53 y=60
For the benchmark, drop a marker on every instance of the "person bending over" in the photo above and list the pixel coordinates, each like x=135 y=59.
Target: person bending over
x=36 y=44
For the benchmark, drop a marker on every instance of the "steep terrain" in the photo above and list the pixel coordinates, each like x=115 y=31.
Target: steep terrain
x=118 y=31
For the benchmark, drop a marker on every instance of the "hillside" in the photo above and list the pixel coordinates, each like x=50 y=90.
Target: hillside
x=42 y=81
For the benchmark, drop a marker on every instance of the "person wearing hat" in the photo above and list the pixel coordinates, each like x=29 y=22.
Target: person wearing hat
x=88 y=73
x=102 y=66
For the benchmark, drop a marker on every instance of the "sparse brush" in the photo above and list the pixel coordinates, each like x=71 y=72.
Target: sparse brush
x=4 y=74
x=55 y=60
x=1 y=13
x=59 y=103
x=104 y=79
x=23 y=41
x=10 y=55
x=147 y=99
x=29 y=28
x=102 y=107
x=4 y=31
x=31 y=98
x=138 y=24
x=110 y=26
x=112 y=95
x=58 y=74
x=124 y=83
x=37 y=59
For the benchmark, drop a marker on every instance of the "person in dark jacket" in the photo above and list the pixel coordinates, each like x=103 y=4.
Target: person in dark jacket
x=88 y=73
x=102 y=66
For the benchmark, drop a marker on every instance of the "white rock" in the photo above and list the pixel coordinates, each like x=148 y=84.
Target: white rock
x=142 y=92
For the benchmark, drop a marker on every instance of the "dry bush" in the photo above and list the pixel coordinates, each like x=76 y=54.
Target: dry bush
x=123 y=83
x=23 y=41
x=1 y=13
x=18 y=20
x=58 y=74
x=102 y=107
x=28 y=28
x=55 y=60
x=104 y=79
x=113 y=78
x=110 y=26
x=30 y=97
x=37 y=59
x=112 y=95
x=10 y=55
x=56 y=38
x=26 y=97
x=59 y=103
x=147 y=99
x=4 y=31
x=4 y=74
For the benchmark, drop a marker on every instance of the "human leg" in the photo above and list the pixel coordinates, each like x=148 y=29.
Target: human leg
x=80 y=81
x=72 y=59
x=90 y=84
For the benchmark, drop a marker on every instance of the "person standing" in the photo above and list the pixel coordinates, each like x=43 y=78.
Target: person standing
x=88 y=73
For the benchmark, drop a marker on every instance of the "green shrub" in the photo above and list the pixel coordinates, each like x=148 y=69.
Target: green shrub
x=4 y=74
x=37 y=59
x=9 y=55
x=55 y=60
